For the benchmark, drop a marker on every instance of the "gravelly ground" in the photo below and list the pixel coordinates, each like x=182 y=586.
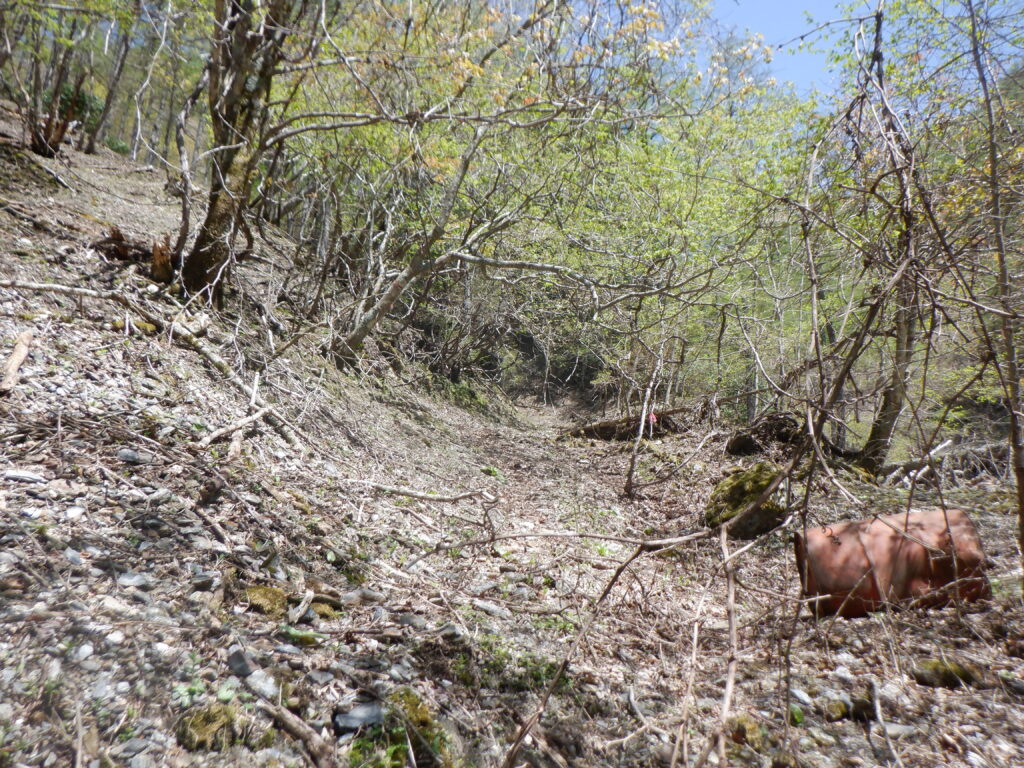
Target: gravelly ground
x=124 y=589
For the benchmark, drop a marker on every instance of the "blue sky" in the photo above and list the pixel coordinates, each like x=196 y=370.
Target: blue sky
x=781 y=21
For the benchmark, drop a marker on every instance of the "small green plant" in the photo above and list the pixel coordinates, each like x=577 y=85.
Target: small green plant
x=494 y=472
x=117 y=145
x=50 y=698
x=555 y=623
x=185 y=694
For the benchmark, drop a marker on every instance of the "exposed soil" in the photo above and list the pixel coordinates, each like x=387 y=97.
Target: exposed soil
x=130 y=550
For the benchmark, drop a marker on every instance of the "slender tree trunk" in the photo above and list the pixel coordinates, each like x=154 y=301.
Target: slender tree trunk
x=124 y=44
x=900 y=152
x=205 y=267
x=198 y=143
x=6 y=39
x=1009 y=365
x=421 y=262
x=750 y=400
x=873 y=455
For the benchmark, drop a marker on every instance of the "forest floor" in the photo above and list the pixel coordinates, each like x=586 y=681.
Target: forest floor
x=169 y=599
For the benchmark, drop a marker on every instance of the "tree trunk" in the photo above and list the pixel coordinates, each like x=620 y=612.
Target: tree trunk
x=874 y=453
x=206 y=265
x=124 y=45
x=900 y=153
x=245 y=52
x=422 y=262
x=1007 y=356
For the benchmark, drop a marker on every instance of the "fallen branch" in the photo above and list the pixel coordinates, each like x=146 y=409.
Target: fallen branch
x=322 y=753
x=18 y=213
x=983 y=456
x=216 y=435
x=53 y=174
x=591 y=430
x=175 y=331
x=485 y=496
x=213 y=525
x=645 y=545
x=14 y=362
x=628 y=427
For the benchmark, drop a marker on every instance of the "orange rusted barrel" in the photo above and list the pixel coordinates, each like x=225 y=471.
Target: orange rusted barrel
x=925 y=558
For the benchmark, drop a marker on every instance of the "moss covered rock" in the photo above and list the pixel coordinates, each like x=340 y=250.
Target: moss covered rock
x=210 y=728
x=942 y=673
x=745 y=729
x=836 y=710
x=269 y=600
x=735 y=493
x=324 y=611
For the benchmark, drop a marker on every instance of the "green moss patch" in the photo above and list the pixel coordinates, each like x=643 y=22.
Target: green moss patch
x=409 y=726
x=745 y=729
x=208 y=728
x=735 y=493
x=940 y=673
x=269 y=600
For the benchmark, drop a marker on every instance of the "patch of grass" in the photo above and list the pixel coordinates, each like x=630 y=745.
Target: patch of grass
x=50 y=699
x=460 y=394
x=555 y=623
x=210 y=728
x=504 y=668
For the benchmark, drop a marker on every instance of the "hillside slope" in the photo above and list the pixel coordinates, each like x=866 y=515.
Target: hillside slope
x=176 y=597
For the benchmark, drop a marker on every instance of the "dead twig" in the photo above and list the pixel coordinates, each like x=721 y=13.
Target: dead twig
x=216 y=435
x=881 y=722
x=646 y=545
x=21 y=347
x=730 y=675
x=645 y=723
x=214 y=526
x=299 y=610
x=485 y=496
